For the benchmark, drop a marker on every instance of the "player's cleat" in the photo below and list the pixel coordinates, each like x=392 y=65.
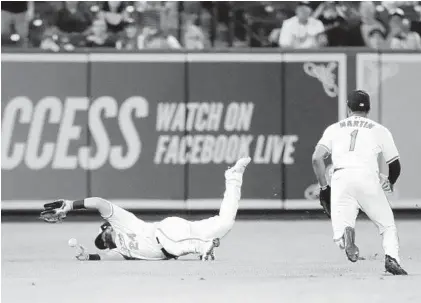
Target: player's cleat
x=208 y=253
x=212 y=255
x=351 y=250
x=240 y=165
x=392 y=266
x=236 y=172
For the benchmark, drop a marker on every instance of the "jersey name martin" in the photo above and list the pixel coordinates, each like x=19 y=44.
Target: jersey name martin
x=356 y=123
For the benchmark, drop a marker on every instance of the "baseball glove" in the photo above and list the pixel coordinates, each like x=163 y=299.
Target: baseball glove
x=55 y=211
x=324 y=197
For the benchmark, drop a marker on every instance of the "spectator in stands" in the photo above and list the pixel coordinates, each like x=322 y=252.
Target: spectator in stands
x=390 y=5
x=37 y=28
x=411 y=35
x=99 y=37
x=334 y=22
x=369 y=31
x=130 y=39
x=50 y=41
x=114 y=14
x=141 y=6
x=193 y=35
x=15 y=17
x=159 y=39
x=170 y=13
x=302 y=30
x=72 y=22
x=400 y=35
x=156 y=35
x=275 y=34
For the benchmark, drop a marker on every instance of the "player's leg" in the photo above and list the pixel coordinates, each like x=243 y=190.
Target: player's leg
x=219 y=226
x=180 y=237
x=344 y=212
x=174 y=234
x=375 y=204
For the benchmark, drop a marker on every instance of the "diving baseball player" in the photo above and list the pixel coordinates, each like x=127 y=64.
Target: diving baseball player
x=126 y=236
x=355 y=144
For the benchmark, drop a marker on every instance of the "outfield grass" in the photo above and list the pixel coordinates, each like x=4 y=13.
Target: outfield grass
x=259 y=261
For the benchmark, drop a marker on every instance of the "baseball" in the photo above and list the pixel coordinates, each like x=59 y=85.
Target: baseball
x=72 y=242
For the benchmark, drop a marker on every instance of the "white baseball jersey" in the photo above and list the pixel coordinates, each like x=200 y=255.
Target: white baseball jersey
x=134 y=237
x=297 y=35
x=356 y=142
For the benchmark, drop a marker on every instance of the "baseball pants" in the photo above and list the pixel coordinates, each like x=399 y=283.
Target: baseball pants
x=179 y=236
x=354 y=189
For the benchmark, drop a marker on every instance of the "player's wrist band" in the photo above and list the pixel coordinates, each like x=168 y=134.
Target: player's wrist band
x=323 y=187
x=78 y=204
x=94 y=257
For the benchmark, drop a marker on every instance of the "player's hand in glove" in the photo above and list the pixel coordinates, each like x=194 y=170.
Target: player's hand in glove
x=324 y=197
x=55 y=211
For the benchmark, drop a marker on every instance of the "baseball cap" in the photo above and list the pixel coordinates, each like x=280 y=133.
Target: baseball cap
x=98 y=240
x=398 y=12
x=358 y=101
x=304 y=3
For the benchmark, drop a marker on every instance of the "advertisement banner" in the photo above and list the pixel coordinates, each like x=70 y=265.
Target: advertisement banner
x=314 y=98
x=397 y=94
x=44 y=117
x=136 y=106
x=157 y=130
x=241 y=101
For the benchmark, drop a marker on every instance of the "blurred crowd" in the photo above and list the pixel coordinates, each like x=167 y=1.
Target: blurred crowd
x=136 y=25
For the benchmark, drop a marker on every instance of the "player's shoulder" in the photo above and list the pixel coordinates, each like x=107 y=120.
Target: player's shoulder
x=332 y=127
x=380 y=127
x=291 y=20
x=315 y=21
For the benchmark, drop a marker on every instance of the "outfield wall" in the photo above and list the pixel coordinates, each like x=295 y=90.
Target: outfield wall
x=157 y=130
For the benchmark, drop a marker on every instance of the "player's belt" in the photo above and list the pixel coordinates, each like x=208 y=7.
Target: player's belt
x=337 y=169
x=165 y=252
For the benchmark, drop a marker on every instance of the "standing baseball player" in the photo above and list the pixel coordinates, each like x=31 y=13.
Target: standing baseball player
x=126 y=236
x=355 y=144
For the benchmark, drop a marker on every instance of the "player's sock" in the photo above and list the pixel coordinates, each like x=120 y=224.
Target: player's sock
x=230 y=203
x=391 y=242
x=232 y=196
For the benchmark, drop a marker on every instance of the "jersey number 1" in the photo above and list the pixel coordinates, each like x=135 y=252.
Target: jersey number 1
x=353 y=139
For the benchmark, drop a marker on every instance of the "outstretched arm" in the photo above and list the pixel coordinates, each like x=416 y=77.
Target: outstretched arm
x=103 y=206
x=83 y=255
x=109 y=256
x=56 y=211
